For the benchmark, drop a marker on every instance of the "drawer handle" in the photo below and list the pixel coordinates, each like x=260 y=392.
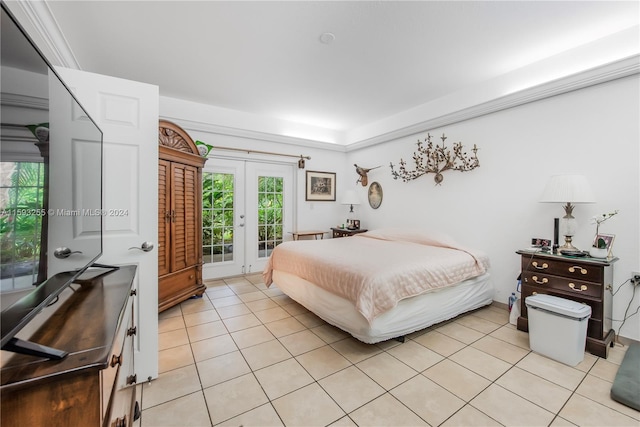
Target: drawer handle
x=582 y=287
x=120 y=422
x=573 y=269
x=544 y=280
x=116 y=360
x=544 y=265
x=132 y=331
x=132 y=379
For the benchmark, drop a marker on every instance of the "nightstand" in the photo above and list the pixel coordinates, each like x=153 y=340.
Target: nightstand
x=586 y=280
x=345 y=232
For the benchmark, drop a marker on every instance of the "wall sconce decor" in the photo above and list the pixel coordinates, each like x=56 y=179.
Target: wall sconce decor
x=437 y=159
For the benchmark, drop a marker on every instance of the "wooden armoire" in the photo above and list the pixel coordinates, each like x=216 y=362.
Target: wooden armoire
x=179 y=216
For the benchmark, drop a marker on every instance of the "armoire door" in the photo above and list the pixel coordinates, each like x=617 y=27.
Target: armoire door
x=164 y=219
x=184 y=227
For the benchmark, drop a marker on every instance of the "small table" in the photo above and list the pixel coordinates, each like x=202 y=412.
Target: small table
x=297 y=234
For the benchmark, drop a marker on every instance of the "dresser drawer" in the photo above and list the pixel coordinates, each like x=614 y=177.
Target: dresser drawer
x=578 y=271
x=579 y=288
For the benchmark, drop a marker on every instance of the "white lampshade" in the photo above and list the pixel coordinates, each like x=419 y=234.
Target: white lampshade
x=568 y=189
x=350 y=197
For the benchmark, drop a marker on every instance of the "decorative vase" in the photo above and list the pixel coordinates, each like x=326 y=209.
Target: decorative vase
x=598 y=252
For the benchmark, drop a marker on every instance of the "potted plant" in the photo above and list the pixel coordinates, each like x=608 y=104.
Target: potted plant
x=599 y=248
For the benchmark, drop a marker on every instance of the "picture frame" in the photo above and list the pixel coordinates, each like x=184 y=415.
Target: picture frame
x=320 y=186
x=375 y=195
x=608 y=238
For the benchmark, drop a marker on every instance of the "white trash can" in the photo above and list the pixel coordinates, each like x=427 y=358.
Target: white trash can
x=557 y=327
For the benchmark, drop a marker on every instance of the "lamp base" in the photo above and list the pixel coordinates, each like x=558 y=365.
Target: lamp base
x=568 y=246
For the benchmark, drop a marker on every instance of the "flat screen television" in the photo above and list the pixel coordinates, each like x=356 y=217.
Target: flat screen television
x=50 y=186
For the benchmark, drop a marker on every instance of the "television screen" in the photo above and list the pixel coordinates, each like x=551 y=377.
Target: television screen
x=50 y=181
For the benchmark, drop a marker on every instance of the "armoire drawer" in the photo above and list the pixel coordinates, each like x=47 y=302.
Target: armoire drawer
x=175 y=283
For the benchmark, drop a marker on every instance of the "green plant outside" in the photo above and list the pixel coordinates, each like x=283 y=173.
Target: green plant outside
x=218 y=214
x=21 y=200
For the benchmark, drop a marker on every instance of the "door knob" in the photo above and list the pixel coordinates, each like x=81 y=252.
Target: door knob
x=145 y=247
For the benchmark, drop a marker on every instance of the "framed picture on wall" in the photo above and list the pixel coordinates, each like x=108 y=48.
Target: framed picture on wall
x=320 y=186
x=375 y=195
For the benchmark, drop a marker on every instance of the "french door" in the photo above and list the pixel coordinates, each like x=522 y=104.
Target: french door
x=247 y=210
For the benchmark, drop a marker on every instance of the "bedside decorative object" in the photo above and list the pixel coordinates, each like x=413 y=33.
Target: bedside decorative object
x=203 y=148
x=375 y=195
x=350 y=198
x=437 y=159
x=321 y=186
x=362 y=172
x=568 y=189
x=601 y=247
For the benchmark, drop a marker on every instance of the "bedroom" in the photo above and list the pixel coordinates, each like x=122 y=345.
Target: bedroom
x=592 y=131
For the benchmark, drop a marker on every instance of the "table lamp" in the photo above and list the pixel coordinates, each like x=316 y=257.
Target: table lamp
x=568 y=189
x=350 y=198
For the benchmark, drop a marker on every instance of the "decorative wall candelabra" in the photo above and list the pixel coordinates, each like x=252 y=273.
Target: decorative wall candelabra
x=436 y=159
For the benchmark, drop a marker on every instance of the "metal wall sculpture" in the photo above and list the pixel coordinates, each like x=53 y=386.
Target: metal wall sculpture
x=436 y=159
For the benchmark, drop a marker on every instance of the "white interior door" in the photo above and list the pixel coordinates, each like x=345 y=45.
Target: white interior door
x=127 y=113
x=247 y=211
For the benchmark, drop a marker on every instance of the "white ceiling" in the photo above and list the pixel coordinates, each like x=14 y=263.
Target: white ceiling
x=266 y=58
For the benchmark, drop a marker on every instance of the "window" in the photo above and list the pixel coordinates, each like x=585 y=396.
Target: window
x=217 y=217
x=270 y=210
x=21 y=204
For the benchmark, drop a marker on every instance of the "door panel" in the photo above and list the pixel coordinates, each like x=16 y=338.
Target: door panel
x=223 y=218
x=127 y=114
x=270 y=211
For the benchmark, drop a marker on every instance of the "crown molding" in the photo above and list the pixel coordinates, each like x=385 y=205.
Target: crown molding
x=24 y=101
x=41 y=19
x=250 y=134
x=616 y=70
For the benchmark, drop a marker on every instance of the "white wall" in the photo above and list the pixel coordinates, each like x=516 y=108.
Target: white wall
x=593 y=131
x=203 y=123
x=495 y=208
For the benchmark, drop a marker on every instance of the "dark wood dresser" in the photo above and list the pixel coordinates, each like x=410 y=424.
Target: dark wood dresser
x=94 y=385
x=345 y=232
x=586 y=280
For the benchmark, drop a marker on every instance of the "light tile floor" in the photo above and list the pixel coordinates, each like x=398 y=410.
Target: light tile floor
x=245 y=355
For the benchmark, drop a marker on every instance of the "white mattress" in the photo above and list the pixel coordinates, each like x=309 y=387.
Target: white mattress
x=410 y=315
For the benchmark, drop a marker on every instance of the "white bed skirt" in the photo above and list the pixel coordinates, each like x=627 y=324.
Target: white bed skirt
x=410 y=315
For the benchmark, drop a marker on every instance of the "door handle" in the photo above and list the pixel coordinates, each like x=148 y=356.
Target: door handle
x=64 y=252
x=145 y=247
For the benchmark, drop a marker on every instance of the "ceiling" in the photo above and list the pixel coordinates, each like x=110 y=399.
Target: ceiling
x=268 y=59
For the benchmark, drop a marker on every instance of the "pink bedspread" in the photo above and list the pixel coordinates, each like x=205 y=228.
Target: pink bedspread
x=377 y=269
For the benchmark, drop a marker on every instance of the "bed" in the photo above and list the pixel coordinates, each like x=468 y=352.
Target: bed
x=382 y=284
